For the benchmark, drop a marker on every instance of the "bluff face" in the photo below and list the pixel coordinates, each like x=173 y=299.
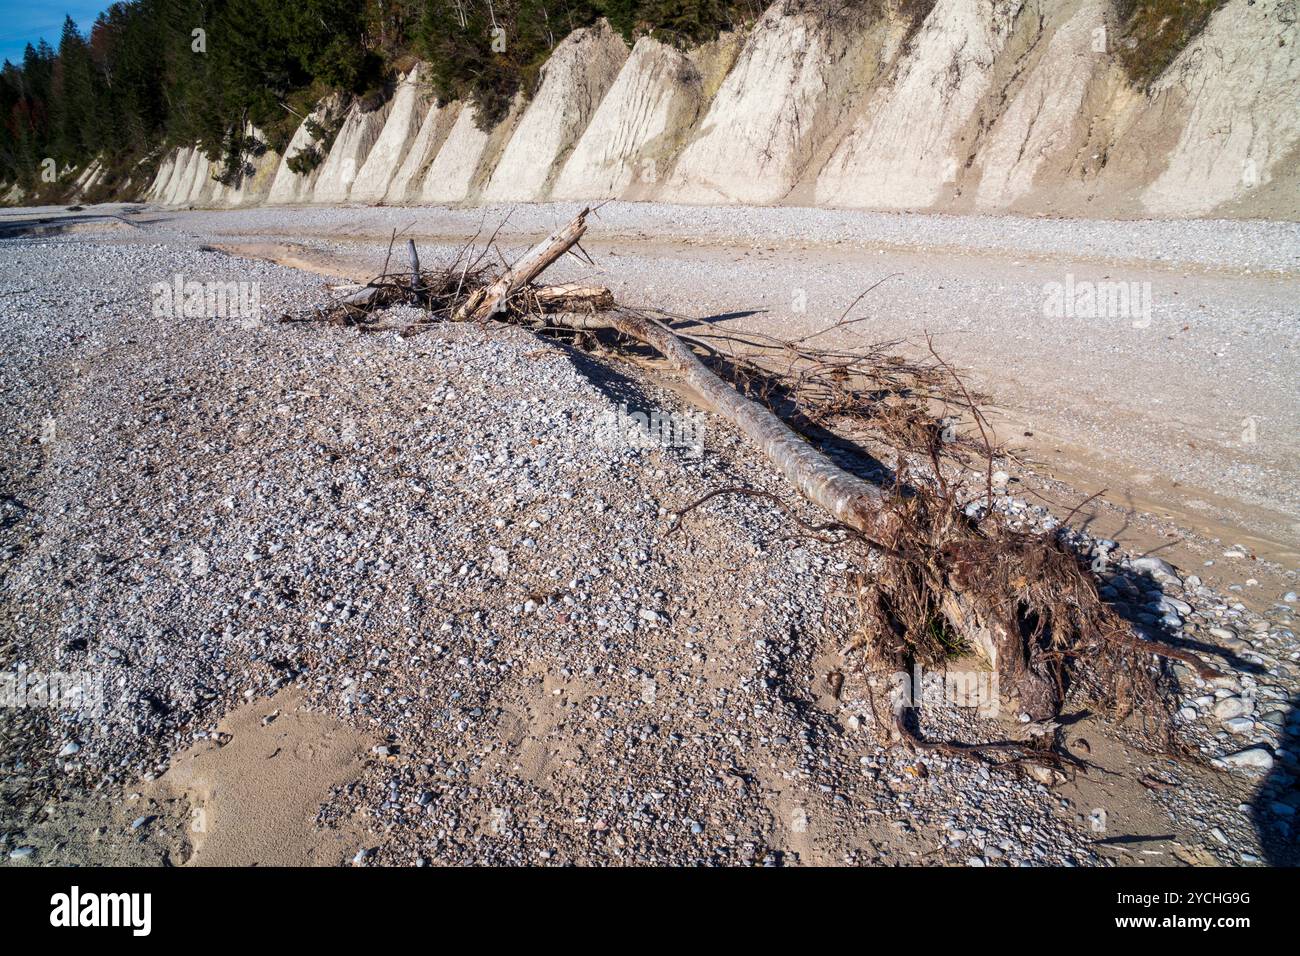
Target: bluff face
x=1019 y=106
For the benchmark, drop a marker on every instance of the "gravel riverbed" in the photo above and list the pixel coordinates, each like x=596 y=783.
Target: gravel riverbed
x=442 y=543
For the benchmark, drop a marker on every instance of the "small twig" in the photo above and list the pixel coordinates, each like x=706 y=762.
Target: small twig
x=840 y=323
x=977 y=415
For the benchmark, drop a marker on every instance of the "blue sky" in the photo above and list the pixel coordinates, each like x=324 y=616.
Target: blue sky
x=26 y=21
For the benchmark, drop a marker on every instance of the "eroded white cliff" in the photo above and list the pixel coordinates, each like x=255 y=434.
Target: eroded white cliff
x=1009 y=105
x=1237 y=86
x=637 y=129
x=574 y=80
x=907 y=146
x=356 y=137
x=406 y=111
x=406 y=182
x=786 y=92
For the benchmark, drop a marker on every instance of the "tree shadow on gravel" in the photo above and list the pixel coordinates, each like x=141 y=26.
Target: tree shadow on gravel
x=1273 y=809
x=1131 y=588
x=625 y=390
x=687 y=323
x=618 y=388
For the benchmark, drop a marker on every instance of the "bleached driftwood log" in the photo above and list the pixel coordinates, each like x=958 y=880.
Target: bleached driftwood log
x=852 y=501
x=574 y=296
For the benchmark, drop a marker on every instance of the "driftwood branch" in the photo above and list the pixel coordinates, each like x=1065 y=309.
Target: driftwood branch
x=534 y=262
x=362 y=297
x=415 y=265
x=572 y=297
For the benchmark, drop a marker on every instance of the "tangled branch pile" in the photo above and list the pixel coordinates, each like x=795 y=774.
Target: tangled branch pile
x=940 y=570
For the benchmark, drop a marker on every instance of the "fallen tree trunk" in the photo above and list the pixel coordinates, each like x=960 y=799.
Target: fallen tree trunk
x=852 y=501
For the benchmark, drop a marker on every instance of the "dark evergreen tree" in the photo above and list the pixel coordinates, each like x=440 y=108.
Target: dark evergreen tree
x=73 y=110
